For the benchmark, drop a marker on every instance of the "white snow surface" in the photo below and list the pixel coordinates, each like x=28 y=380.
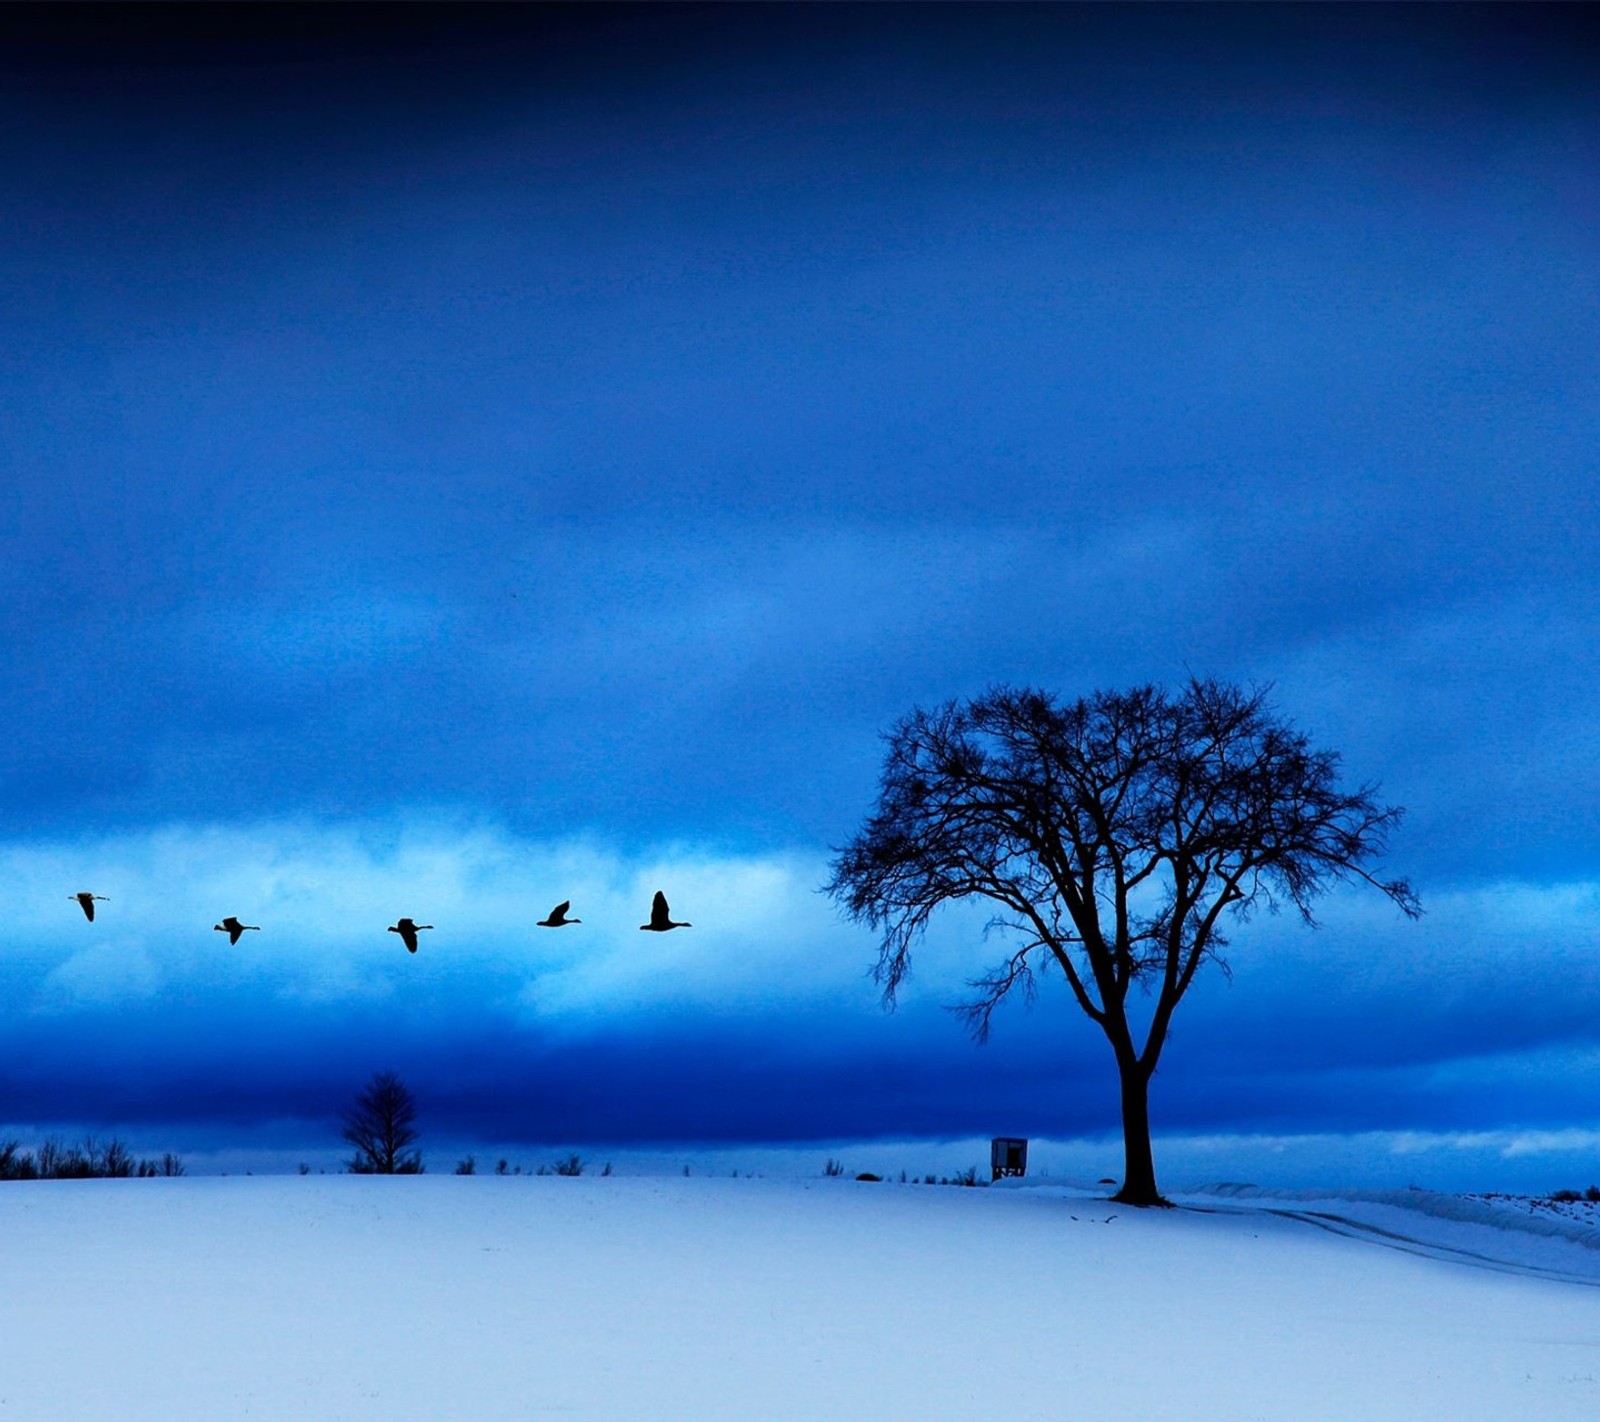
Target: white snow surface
x=487 y=1298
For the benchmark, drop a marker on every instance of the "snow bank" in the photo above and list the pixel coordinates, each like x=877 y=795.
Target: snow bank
x=1509 y=1233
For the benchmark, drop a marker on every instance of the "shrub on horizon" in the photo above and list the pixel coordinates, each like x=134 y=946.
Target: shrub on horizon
x=15 y=1163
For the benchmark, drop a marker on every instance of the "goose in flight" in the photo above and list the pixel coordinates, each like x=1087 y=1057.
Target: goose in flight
x=234 y=929
x=86 y=902
x=558 y=916
x=660 y=920
x=408 y=932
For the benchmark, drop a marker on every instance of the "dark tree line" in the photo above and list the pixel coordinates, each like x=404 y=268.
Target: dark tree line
x=1119 y=837
x=90 y=1160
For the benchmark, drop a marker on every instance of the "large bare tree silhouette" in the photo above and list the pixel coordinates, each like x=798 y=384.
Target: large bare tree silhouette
x=1116 y=835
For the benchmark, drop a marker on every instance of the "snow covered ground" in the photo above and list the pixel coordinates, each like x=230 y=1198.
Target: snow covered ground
x=489 y=1298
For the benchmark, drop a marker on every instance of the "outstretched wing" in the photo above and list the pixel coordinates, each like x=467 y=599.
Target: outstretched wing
x=660 y=915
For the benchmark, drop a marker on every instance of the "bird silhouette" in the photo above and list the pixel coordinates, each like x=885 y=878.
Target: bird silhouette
x=408 y=932
x=660 y=921
x=234 y=929
x=558 y=916
x=86 y=902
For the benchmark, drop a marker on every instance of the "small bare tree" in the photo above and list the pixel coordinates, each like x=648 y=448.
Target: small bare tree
x=1116 y=835
x=382 y=1127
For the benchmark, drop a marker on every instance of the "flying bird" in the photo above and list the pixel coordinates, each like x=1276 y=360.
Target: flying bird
x=408 y=932
x=234 y=929
x=558 y=916
x=660 y=921
x=86 y=902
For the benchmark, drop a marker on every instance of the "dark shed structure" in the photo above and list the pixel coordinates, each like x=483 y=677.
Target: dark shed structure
x=1008 y=1155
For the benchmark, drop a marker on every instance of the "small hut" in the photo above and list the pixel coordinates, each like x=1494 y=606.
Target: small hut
x=1008 y=1155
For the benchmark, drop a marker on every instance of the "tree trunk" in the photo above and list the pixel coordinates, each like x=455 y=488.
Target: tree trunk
x=1139 y=1170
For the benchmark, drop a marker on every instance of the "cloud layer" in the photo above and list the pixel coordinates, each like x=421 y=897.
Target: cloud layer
x=758 y=1025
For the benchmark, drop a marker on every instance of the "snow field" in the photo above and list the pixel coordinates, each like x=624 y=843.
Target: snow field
x=491 y=1298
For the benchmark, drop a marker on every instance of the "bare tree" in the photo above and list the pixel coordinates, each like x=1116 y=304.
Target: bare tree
x=1117 y=836
x=382 y=1127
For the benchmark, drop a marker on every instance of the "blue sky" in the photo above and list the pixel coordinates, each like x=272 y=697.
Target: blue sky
x=460 y=461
